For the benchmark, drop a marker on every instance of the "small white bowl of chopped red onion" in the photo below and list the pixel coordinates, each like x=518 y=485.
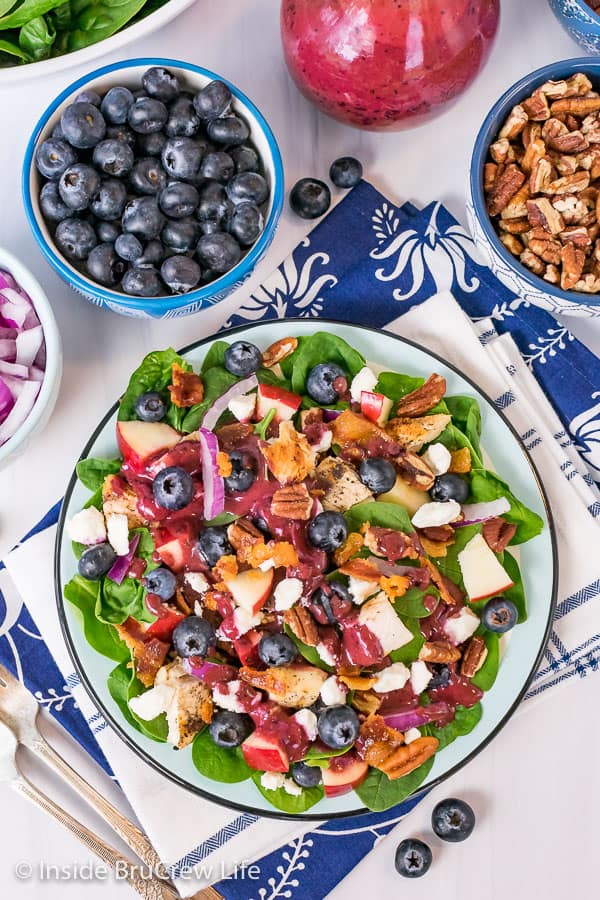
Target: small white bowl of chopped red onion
x=30 y=357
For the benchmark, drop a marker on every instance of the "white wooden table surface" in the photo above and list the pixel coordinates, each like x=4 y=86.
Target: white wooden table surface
x=536 y=788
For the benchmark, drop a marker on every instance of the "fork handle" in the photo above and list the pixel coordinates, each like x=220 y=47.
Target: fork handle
x=151 y=888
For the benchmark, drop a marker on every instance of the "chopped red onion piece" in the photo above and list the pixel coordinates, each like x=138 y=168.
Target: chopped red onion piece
x=8 y=349
x=28 y=345
x=20 y=411
x=212 y=415
x=414 y=718
x=7 y=400
x=214 y=488
x=330 y=414
x=120 y=567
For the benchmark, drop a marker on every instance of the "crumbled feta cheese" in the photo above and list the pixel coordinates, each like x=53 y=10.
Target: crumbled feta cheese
x=432 y=514
x=365 y=380
x=411 y=735
x=225 y=695
x=244 y=621
x=361 y=590
x=460 y=627
x=420 y=676
x=152 y=703
x=197 y=582
x=290 y=787
x=287 y=593
x=380 y=618
x=325 y=654
x=242 y=407
x=266 y=565
x=87 y=526
x=272 y=781
x=333 y=692
x=393 y=678
x=438 y=458
x=117 y=528
x=308 y=721
x=198 y=608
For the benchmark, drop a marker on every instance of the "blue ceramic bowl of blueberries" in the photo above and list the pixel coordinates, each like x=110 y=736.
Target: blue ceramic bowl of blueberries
x=580 y=21
x=153 y=187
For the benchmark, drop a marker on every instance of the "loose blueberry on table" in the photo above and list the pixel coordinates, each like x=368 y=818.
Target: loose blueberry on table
x=413 y=858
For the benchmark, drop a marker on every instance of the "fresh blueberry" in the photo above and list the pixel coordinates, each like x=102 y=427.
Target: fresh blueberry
x=115 y=105
x=150 y=407
x=83 y=125
x=54 y=209
x=142 y=216
x=218 y=252
x=245 y=158
x=213 y=204
x=109 y=202
x=53 y=157
x=108 y=232
x=181 y=235
x=194 y=636
x=147 y=114
x=246 y=223
x=181 y=158
x=209 y=226
x=161 y=581
x=180 y=273
x=113 y=157
x=57 y=133
x=242 y=475
x=248 y=186
x=178 y=199
x=75 y=238
x=218 y=165
x=213 y=544
x=160 y=83
x=322 y=600
x=306 y=776
x=77 y=185
x=321 y=382
x=153 y=254
x=96 y=561
x=148 y=176
x=378 y=474
x=328 y=531
x=183 y=120
x=449 y=487
x=441 y=675
x=229 y=729
x=242 y=359
x=121 y=133
x=345 y=172
x=277 y=649
x=151 y=144
x=228 y=130
x=212 y=101
x=338 y=727
x=452 y=820
x=104 y=266
x=142 y=281
x=310 y=198
x=89 y=97
x=129 y=247
x=173 y=488
x=413 y=858
x=261 y=523
x=500 y=615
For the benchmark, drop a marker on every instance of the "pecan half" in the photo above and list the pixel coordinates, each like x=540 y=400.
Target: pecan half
x=498 y=533
x=415 y=471
x=279 y=351
x=537 y=107
x=512 y=244
x=514 y=125
x=506 y=186
x=572 y=142
x=517 y=206
x=541 y=175
x=577 y=235
x=577 y=106
x=421 y=400
x=532 y=262
x=552 y=274
x=573 y=261
x=568 y=184
x=292 y=502
x=396 y=763
x=535 y=151
x=186 y=388
x=542 y=214
x=502 y=152
x=515 y=226
x=474 y=656
x=490 y=170
x=439 y=652
x=438 y=532
x=549 y=251
x=299 y=620
x=243 y=536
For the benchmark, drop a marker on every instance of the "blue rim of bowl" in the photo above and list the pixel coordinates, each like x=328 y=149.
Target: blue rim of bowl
x=587 y=10
x=166 y=303
x=487 y=134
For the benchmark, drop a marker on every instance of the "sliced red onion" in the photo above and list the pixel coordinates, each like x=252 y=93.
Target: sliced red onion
x=14 y=306
x=479 y=512
x=20 y=411
x=7 y=401
x=14 y=369
x=210 y=672
x=8 y=349
x=330 y=414
x=214 y=488
x=28 y=345
x=214 y=413
x=120 y=567
x=414 y=718
x=7 y=281
x=8 y=333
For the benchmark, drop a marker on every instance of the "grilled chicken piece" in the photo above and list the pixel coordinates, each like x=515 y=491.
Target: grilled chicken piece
x=290 y=457
x=413 y=433
x=186 y=701
x=148 y=653
x=287 y=685
x=118 y=498
x=384 y=748
x=343 y=488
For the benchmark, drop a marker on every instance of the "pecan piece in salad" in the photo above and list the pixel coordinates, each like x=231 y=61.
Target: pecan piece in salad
x=414 y=470
x=498 y=533
x=186 y=388
x=299 y=620
x=292 y=502
x=439 y=652
x=474 y=656
x=421 y=400
x=279 y=351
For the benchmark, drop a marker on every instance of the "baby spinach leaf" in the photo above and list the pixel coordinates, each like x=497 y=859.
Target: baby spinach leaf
x=153 y=374
x=320 y=347
x=84 y=595
x=486 y=485
x=465 y=720
x=6 y=6
x=224 y=518
x=409 y=652
x=122 y=686
x=466 y=415
x=411 y=603
x=95 y=20
x=315 y=753
x=386 y=515
x=219 y=763
x=12 y=50
x=454 y=439
x=216 y=380
x=215 y=356
x=486 y=676
x=92 y=472
x=449 y=565
x=378 y=793
x=280 y=799
x=309 y=653
x=37 y=37
x=395 y=386
x=26 y=11
x=116 y=602
x=517 y=592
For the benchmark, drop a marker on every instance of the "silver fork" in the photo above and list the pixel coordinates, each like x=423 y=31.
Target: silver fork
x=18 y=711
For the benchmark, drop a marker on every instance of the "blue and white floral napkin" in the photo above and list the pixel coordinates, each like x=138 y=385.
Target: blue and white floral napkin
x=368 y=262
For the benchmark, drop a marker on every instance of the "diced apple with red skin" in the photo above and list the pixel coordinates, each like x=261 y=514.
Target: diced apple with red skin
x=375 y=407
x=251 y=588
x=166 y=624
x=343 y=774
x=265 y=753
x=173 y=555
x=246 y=648
x=140 y=441
x=483 y=574
x=284 y=403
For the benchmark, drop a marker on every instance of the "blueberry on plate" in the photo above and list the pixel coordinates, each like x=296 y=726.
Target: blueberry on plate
x=500 y=615
x=77 y=185
x=242 y=358
x=183 y=120
x=150 y=407
x=53 y=207
x=218 y=252
x=328 y=531
x=228 y=130
x=148 y=176
x=322 y=600
x=194 y=636
x=89 y=96
x=161 y=581
x=346 y=172
x=180 y=273
x=96 y=561
x=413 y=858
x=52 y=157
x=181 y=158
x=109 y=202
x=212 y=101
x=158 y=82
x=115 y=105
x=378 y=474
x=338 y=727
x=452 y=820
x=105 y=266
x=178 y=199
x=142 y=281
x=449 y=487
x=245 y=158
x=246 y=223
x=108 y=232
x=277 y=649
x=213 y=204
x=146 y=115
x=213 y=544
x=242 y=475
x=310 y=198
x=321 y=382
x=441 y=675
x=75 y=238
x=248 y=186
x=218 y=165
x=229 y=729
x=83 y=125
x=143 y=217
x=173 y=488
x=121 y=133
x=151 y=144
x=306 y=776
x=181 y=235
x=129 y=247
